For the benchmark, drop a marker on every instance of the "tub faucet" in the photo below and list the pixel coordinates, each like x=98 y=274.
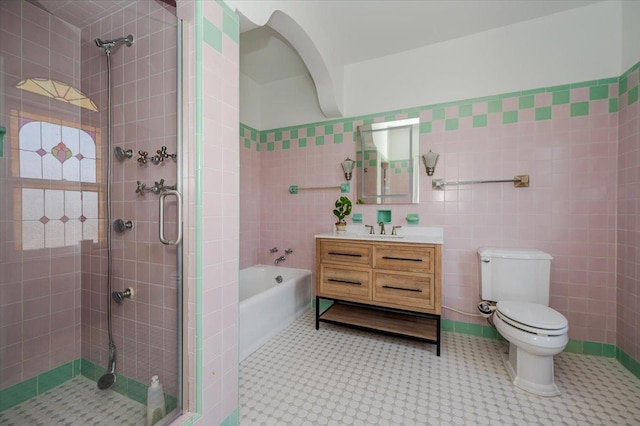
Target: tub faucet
x=280 y=259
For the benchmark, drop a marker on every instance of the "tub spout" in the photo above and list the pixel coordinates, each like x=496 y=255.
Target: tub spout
x=280 y=259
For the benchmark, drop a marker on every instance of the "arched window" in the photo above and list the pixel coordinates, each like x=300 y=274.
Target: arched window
x=57 y=162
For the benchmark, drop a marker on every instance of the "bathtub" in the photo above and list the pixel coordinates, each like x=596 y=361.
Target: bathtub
x=266 y=306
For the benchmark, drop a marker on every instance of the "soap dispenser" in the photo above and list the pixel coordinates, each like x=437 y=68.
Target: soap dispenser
x=156 y=409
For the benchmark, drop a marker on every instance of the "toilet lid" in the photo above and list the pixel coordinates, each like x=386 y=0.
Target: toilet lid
x=533 y=315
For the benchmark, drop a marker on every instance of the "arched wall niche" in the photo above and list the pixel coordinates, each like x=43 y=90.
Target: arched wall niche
x=304 y=46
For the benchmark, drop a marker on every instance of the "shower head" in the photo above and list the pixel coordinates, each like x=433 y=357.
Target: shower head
x=106 y=381
x=109 y=45
x=121 y=154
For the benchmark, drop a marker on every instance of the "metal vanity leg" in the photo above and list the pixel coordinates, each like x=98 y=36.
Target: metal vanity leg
x=438 y=338
x=317 y=312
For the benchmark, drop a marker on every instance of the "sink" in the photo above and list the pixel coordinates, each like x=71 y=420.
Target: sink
x=379 y=237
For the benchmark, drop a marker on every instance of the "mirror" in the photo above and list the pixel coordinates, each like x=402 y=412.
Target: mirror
x=387 y=162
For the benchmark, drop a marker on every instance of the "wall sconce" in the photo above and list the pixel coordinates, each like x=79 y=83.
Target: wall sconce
x=430 y=159
x=347 y=168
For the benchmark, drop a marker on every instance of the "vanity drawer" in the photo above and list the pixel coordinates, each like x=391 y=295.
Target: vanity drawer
x=405 y=258
x=405 y=290
x=345 y=253
x=344 y=282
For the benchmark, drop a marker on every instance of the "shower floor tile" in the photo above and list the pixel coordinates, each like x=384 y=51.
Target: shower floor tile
x=341 y=376
x=77 y=402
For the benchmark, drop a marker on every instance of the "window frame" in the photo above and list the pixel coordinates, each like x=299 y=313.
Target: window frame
x=63 y=185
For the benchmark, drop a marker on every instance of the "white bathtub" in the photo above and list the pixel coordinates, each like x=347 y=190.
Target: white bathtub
x=266 y=306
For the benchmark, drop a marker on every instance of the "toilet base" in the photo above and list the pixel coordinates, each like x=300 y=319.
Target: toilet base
x=529 y=372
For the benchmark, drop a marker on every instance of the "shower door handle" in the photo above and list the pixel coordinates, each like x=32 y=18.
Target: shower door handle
x=163 y=239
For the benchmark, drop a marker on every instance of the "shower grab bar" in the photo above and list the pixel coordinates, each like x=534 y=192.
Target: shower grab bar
x=519 y=181
x=161 y=202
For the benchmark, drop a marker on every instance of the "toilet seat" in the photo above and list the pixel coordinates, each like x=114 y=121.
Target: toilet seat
x=532 y=318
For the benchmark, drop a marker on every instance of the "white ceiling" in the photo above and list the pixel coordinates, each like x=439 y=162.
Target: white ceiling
x=356 y=30
x=360 y=30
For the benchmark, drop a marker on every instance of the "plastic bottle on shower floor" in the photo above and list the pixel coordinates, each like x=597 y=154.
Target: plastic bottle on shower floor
x=156 y=409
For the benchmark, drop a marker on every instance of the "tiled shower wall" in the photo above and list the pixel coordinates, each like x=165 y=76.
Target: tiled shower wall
x=47 y=294
x=628 y=267
x=144 y=119
x=564 y=137
x=250 y=199
x=39 y=289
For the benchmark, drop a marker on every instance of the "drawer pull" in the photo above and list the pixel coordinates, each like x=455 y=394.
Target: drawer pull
x=401 y=258
x=332 y=280
x=345 y=254
x=415 y=290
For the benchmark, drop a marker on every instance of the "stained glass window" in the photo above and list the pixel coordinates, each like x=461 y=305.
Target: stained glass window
x=58 y=202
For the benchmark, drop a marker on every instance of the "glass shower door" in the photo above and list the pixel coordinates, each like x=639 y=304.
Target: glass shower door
x=56 y=167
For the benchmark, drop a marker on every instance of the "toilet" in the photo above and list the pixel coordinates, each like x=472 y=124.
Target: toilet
x=515 y=293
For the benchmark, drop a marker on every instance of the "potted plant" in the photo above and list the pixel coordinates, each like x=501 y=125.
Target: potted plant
x=342 y=210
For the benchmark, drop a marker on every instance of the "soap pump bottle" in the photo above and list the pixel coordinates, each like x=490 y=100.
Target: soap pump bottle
x=156 y=409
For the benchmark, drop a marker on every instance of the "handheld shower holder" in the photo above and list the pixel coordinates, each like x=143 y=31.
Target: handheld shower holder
x=119 y=296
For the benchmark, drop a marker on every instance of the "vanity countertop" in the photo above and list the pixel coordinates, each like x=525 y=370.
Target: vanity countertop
x=413 y=234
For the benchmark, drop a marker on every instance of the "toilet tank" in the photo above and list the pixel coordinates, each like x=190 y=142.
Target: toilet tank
x=520 y=275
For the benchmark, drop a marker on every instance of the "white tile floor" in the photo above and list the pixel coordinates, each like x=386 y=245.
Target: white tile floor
x=77 y=402
x=341 y=376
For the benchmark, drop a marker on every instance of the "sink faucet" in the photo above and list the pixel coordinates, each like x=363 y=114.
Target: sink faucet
x=382 y=231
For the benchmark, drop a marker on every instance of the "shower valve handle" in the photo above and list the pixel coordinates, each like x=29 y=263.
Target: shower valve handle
x=143 y=157
x=162 y=153
x=141 y=187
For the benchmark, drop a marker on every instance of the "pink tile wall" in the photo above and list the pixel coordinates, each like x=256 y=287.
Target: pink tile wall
x=39 y=289
x=628 y=263
x=218 y=170
x=250 y=198
x=569 y=210
x=144 y=119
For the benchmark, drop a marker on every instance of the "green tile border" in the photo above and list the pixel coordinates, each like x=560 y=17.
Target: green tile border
x=51 y=379
x=43 y=382
x=230 y=24
x=574 y=346
x=628 y=362
x=598 y=90
x=232 y=420
x=18 y=393
x=3 y=131
x=212 y=35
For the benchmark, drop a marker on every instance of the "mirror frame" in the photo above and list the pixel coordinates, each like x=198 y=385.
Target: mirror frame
x=410 y=197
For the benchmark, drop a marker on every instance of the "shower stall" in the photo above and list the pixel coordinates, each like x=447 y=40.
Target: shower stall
x=90 y=263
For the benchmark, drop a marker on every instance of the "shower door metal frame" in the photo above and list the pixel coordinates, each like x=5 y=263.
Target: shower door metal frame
x=179 y=247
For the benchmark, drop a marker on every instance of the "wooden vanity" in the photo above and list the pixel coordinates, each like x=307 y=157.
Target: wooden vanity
x=391 y=286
